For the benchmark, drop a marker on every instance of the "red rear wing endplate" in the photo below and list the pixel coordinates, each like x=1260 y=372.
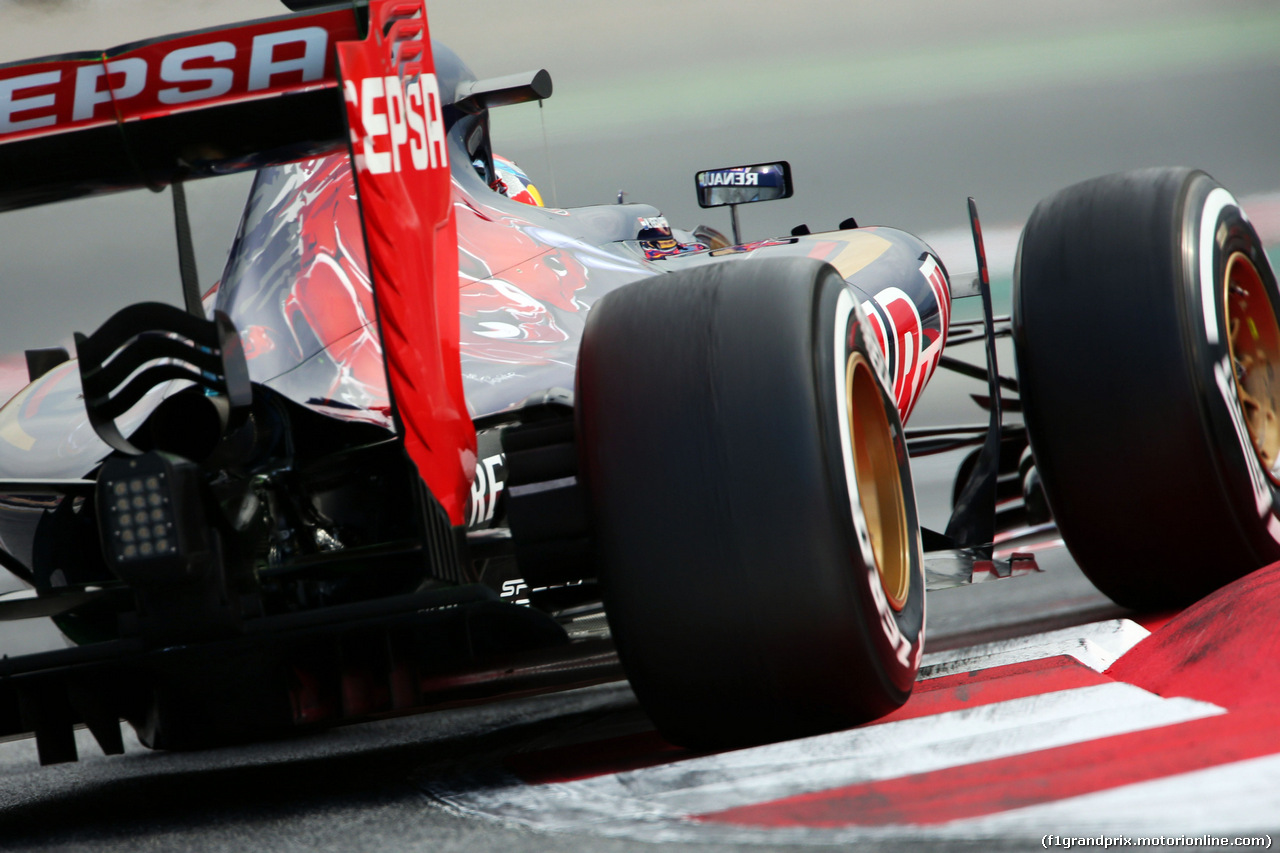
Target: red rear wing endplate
x=400 y=156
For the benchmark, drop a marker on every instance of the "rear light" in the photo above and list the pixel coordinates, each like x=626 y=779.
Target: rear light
x=149 y=509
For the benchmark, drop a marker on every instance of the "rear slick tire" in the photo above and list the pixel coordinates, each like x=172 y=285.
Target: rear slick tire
x=1146 y=339
x=754 y=518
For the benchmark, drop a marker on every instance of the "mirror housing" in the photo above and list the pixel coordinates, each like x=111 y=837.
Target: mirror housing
x=744 y=184
x=504 y=91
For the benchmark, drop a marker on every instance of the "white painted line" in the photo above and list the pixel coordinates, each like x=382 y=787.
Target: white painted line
x=1096 y=645
x=653 y=803
x=922 y=745
x=1244 y=799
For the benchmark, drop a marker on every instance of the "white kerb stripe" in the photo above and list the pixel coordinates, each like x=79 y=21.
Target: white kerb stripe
x=626 y=803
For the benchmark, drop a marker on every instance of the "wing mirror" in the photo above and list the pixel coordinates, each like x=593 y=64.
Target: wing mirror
x=737 y=185
x=744 y=184
x=503 y=91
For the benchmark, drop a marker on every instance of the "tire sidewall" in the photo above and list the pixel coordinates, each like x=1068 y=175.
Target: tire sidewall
x=1214 y=228
x=897 y=637
x=1127 y=388
x=731 y=561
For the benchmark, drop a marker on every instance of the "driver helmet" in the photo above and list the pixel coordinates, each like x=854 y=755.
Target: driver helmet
x=514 y=183
x=655 y=233
x=658 y=241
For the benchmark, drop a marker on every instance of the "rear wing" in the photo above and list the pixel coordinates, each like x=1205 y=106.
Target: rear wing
x=183 y=106
x=271 y=91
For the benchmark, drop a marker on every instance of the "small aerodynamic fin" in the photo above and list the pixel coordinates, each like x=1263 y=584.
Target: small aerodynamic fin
x=972 y=524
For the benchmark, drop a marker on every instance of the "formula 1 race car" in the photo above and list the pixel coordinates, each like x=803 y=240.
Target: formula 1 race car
x=337 y=486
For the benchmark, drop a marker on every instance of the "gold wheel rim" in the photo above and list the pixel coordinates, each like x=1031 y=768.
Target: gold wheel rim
x=875 y=465
x=1254 y=342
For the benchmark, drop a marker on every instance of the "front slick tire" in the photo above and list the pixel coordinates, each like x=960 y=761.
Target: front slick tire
x=755 y=522
x=1145 y=332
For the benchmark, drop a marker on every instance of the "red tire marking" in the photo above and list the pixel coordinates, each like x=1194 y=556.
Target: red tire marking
x=1030 y=779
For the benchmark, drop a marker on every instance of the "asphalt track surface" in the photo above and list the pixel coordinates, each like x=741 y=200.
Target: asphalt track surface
x=892 y=115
